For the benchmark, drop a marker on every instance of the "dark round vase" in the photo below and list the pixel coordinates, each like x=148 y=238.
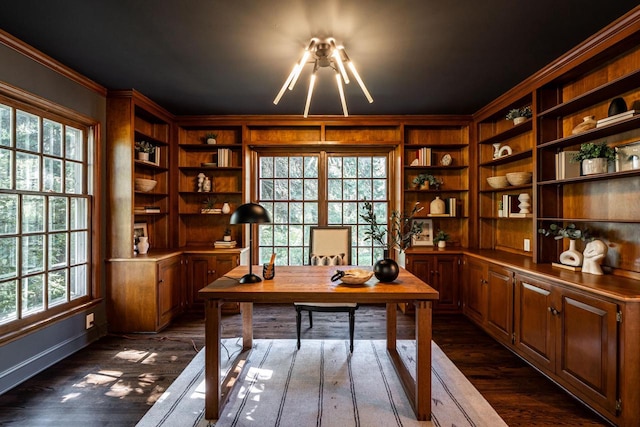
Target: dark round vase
x=386 y=270
x=617 y=106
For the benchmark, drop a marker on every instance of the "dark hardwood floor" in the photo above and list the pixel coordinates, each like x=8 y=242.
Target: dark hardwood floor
x=114 y=381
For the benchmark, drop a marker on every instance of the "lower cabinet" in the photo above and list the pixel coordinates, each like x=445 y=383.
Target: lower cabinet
x=571 y=336
x=441 y=272
x=488 y=297
x=204 y=268
x=144 y=294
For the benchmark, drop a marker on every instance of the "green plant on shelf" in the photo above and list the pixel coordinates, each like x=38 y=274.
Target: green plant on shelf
x=145 y=147
x=519 y=112
x=571 y=231
x=425 y=178
x=441 y=235
x=593 y=150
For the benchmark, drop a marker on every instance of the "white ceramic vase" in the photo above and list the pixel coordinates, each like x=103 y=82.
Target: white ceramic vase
x=437 y=206
x=143 y=156
x=594 y=166
x=442 y=244
x=571 y=256
x=226 y=208
x=143 y=245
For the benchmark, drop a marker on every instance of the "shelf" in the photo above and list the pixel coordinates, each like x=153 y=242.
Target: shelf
x=510 y=133
x=213 y=193
x=507 y=159
x=507 y=189
x=605 y=220
x=593 y=134
x=507 y=218
x=598 y=177
x=150 y=193
x=602 y=93
x=446 y=190
x=445 y=146
x=436 y=167
x=210 y=168
x=142 y=135
x=150 y=166
x=149 y=213
x=209 y=147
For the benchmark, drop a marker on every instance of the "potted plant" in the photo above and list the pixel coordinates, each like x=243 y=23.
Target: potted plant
x=424 y=180
x=402 y=230
x=594 y=158
x=144 y=148
x=571 y=256
x=210 y=138
x=441 y=238
x=519 y=115
x=227 y=235
x=208 y=203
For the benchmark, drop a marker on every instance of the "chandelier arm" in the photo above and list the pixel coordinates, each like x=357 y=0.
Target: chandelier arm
x=352 y=67
x=312 y=83
x=284 y=86
x=338 y=57
x=341 y=91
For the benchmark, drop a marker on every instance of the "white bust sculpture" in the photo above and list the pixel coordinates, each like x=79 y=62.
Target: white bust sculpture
x=594 y=253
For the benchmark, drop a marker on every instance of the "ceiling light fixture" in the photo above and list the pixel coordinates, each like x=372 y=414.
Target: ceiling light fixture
x=324 y=53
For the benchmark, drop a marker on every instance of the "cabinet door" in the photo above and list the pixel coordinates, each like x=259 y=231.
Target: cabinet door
x=446 y=278
x=202 y=271
x=534 y=321
x=588 y=346
x=475 y=300
x=500 y=303
x=169 y=286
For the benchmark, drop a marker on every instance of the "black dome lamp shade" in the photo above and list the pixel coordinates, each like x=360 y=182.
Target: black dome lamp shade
x=250 y=213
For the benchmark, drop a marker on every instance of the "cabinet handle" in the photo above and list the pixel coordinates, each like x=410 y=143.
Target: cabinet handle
x=161 y=281
x=553 y=311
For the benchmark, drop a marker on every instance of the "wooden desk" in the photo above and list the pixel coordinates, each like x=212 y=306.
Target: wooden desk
x=313 y=284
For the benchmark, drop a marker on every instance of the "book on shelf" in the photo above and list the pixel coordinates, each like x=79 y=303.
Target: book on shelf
x=224 y=244
x=616 y=118
x=224 y=157
x=145 y=209
x=424 y=156
x=565 y=167
x=510 y=207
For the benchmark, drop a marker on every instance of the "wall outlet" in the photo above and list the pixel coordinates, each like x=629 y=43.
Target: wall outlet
x=527 y=245
x=89 y=320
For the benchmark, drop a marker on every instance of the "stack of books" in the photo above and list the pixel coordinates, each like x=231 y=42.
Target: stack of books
x=424 y=156
x=145 y=209
x=224 y=157
x=617 y=118
x=565 y=167
x=222 y=244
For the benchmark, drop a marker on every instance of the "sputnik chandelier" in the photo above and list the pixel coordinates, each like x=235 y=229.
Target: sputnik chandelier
x=324 y=53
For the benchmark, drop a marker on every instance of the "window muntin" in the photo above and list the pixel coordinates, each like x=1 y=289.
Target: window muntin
x=44 y=214
x=289 y=187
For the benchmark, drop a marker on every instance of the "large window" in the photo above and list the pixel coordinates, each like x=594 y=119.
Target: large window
x=44 y=215
x=304 y=190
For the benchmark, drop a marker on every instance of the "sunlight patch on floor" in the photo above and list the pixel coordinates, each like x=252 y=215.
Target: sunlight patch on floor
x=132 y=355
x=100 y=378
x=70 y=396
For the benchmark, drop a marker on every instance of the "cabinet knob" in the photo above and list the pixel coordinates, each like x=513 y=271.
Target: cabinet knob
x=161 y=281
x=553 y=311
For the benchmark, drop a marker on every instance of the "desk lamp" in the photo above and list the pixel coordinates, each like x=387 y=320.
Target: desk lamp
x=250 y=213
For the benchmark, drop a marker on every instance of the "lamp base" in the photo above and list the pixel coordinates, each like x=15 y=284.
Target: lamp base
x=250 y=278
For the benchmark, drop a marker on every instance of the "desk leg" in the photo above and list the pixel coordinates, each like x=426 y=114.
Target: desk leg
x=423 y=361
x=247 y=325
x=212 y=335
x=392 y=328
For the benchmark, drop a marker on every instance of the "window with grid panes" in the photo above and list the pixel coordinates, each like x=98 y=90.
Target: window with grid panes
x=44 y=215
x=311 y=189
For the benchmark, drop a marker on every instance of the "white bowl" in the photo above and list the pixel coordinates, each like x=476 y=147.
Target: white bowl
x=498 y=181
x=519 y=178
x=144 y=185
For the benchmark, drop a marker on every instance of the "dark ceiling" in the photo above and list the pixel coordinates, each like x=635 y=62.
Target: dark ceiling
x=231 y=57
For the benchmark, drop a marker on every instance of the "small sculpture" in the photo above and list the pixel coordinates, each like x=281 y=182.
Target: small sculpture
x=501 y=151
x=594 y=253
x=200 y=182
x=206 y=185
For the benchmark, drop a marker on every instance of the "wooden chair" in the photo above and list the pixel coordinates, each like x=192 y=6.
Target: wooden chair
x=328 y=246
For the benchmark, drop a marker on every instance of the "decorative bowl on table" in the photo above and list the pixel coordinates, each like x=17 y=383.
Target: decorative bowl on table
x=519 y=178
x=144 y=185
x=498 y=181
x=355 y=276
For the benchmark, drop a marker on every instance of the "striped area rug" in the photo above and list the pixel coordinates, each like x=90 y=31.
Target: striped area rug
x=322 y=385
